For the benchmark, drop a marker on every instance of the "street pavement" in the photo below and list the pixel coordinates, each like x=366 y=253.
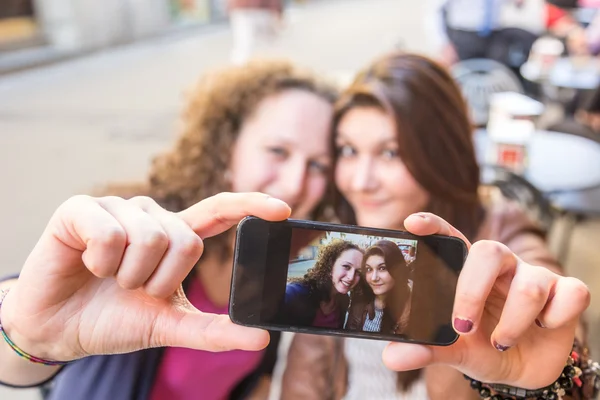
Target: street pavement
x=72 y=127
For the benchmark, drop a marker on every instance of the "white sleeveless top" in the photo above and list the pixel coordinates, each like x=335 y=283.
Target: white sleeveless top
x=369 y=378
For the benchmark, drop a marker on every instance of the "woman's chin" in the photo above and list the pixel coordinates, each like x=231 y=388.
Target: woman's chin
x=342 y=289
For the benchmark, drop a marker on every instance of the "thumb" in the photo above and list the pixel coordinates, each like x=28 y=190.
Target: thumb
x=185 y=326
x=406 y=357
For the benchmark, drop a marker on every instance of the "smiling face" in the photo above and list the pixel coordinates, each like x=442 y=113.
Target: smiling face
x=345 y=272
x=283 y=150
x=377 y=275
x=370 y=173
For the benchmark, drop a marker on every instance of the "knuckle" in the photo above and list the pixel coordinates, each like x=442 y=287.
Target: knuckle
x=191 y=246
x=109 y=237
x=143 y=201
x=153 y=239
x=580 y=290
x=490 y=248
x=531 y=290
x=468 y=298
x=74 y=202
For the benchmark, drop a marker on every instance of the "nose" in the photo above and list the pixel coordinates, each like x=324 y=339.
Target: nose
x=292 y=180
x=351 y=274
x=364 y=179
x=374 y=276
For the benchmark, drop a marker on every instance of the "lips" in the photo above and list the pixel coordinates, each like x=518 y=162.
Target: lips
x=346 y=284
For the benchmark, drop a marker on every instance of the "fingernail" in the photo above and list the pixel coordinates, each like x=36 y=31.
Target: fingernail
x=421 y=215
x=538 y=323
x=463 y=325
x=499 y=347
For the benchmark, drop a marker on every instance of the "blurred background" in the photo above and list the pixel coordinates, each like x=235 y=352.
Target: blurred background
x=90 y=91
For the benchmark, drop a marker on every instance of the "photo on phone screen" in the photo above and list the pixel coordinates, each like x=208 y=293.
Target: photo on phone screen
x=345 y=280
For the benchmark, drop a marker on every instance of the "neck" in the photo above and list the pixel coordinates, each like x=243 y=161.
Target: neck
x=215 y=276
x=333 y=293
x=380 y=301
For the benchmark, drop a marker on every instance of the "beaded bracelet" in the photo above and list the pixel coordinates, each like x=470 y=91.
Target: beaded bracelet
x=580 y=374
x=20 y=352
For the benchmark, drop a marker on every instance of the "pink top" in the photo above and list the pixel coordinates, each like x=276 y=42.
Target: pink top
x=193 y=374
x=331 y=320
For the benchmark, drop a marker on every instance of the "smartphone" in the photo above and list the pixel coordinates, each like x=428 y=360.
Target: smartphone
x=343 y=280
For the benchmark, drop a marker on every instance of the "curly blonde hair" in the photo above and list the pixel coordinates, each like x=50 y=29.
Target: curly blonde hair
x=217 y=106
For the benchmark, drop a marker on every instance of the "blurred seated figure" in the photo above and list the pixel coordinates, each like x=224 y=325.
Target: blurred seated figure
x=585 y=120
x=502 y=30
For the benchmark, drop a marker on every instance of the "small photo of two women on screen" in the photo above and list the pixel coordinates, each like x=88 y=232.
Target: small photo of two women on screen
x=352 y=282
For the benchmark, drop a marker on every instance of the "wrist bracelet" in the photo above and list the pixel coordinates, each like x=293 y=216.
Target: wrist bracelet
x=580 y=375
x=20 y=352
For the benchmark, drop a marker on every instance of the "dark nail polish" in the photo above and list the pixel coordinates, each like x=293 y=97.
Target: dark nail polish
x=463 y=325
x=499 y=347
x=538 y=323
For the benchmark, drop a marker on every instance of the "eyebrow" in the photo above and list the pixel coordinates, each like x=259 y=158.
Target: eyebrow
x=378 y=265
x=342 y=137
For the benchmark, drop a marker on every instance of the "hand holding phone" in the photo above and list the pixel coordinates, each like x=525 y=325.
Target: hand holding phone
x=345 y=280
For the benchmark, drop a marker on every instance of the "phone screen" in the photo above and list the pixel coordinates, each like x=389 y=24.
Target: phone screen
x=311 y=277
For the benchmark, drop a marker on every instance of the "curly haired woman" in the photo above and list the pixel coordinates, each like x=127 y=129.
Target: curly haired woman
x=261 y=128
x=320 y=298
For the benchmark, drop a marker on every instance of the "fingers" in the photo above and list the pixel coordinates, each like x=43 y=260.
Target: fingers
x=529 y=292
x=218 y=213
x=571 y=297
x=424 y=224
x=184 y=250
x=486 y=262
x=87 y=227
x=147 y=241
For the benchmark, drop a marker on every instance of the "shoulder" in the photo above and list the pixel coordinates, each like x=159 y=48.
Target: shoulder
x=507 y=222
x=505 y=218
x=296 y=289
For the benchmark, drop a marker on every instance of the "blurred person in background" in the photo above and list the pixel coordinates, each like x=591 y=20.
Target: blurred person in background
x=386 y=170
x=263 y=127
x=502 y=30
x=585 y=120
x=253 y=21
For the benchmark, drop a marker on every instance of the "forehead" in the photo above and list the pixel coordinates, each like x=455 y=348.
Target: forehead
x=366 y=125
x=375 y=258
x=296 y=116
x=350 y=253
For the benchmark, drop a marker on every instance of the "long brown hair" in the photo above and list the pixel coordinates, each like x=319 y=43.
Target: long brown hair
x=396 y=266
x=433 y=132
x=195 y=168
x=434 y=137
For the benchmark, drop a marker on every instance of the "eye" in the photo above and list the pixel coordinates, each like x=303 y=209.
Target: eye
x=346 y=151
x=382 y=269
x=390 y=153
x=318 y=167
x=278 y=151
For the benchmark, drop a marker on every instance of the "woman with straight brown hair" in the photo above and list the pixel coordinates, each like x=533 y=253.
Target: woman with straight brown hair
x=404 y=154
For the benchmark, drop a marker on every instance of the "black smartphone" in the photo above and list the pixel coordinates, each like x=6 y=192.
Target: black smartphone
x=332 y=279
